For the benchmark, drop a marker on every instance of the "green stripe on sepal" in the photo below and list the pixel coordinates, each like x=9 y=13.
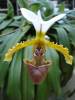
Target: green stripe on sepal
x=27 y=84
x=14 y=79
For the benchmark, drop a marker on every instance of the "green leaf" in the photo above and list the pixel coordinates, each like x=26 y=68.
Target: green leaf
x=40 y=5
x=17 y=17
x=35 y=6
x=61 y=7
x=54 y=71
x=14 y=79
x=42 y=91
x=27 y=85
x=71 y=14
x=48 y=12
x=63 y=37
x=7 y=31
x=2 y=17
x=4 y=24
x=23 y=3
x=66 y=69
x=71 y=33
x=4 y=66
x=10 y=12
x=15 y=24
x=10 y=40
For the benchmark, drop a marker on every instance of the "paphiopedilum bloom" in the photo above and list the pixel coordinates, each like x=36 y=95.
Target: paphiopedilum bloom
x=39 y=66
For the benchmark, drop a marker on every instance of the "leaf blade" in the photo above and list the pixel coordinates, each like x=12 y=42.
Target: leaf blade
x=14 y=84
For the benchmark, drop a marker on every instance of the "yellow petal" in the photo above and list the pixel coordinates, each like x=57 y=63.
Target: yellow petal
x=62 y=50
x=9 y=54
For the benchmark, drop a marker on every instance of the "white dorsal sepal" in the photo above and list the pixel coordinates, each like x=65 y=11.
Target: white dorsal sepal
x=32 y=17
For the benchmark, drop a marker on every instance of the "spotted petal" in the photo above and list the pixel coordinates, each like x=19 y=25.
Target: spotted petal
x=17 y=47
x=62 y=50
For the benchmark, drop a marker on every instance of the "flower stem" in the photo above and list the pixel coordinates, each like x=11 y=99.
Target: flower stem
x=35 y=91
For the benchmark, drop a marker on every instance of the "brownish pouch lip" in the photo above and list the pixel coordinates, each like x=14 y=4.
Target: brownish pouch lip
x=38 y=74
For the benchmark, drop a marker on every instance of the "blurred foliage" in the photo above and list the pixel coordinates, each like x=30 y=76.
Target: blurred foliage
x=14 y=78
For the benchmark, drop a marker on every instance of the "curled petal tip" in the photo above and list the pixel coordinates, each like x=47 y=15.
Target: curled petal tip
x=63 y=15
x=8 y=58
x=69 y=60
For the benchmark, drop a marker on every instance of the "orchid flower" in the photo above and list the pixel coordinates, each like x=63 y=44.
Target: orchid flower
x=39 y=41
